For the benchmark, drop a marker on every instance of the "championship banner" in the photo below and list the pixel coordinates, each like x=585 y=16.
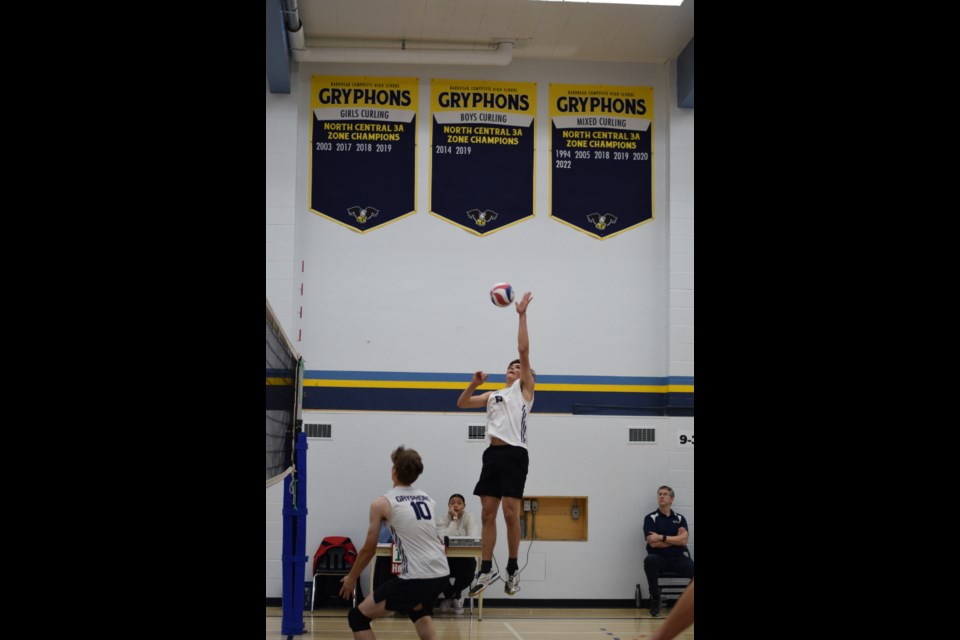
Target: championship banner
x=602 y=157
x=481 y=153
x=363 y=143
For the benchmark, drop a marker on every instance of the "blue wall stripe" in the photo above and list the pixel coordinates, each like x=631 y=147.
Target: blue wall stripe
x=444 y=400
x=585 y=401
x=680 y=400
x=495 y=377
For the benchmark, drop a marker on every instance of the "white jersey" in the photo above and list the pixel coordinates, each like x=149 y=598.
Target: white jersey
x=507 y=415
x=414 y=526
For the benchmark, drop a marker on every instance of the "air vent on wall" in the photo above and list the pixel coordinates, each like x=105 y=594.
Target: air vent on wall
x=476 y=432
x=319 y=430
x=643 y=436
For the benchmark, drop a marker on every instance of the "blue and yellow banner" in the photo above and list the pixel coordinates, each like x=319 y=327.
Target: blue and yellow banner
x=601 y=157
x=363 y=143
x=481 y=153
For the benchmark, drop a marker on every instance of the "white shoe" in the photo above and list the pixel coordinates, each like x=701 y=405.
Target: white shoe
x=512 y=584
x=482 y=581
x=457 y=605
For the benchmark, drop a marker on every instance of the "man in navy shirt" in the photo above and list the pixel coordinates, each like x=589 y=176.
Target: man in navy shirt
x=666 y=533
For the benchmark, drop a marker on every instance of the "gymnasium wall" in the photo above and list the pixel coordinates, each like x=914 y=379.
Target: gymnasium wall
x=411 y=298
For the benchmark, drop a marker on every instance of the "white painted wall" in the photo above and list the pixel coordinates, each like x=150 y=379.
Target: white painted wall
x=680 y=258
x=680 y=180
x=281 y=196
x=412 y=297
x=414 y=294
x=569 y=455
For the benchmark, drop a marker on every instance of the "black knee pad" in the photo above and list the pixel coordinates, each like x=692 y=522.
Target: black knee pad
x=357 y=621
x=416 y=615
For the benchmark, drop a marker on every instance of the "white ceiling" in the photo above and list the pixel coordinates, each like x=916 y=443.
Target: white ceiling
x=554 y=30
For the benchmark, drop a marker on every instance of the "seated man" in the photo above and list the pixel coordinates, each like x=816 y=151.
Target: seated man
x=666 y=533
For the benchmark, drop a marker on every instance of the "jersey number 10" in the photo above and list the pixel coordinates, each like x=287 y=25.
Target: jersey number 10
x=422 y=509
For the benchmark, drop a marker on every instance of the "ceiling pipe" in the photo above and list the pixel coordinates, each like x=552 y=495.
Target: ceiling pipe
x=500 y=56
x=277 y=48
x=296 y=39
x=295 y=36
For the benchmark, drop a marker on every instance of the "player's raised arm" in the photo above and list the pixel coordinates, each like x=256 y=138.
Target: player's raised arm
x=469 y=401
x=527 y=381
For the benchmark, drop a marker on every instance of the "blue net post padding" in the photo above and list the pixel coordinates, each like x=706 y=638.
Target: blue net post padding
x=295 y=541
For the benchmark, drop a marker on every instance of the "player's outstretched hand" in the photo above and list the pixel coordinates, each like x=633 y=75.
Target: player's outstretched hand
x=523 y=302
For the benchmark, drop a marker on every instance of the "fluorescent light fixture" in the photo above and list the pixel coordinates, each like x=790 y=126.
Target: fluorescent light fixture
x=664 y=3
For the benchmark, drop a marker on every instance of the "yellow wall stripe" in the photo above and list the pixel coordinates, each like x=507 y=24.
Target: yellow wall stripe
x=543 y=386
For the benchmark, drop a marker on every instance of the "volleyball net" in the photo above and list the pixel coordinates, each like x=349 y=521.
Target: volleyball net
x=284 y=399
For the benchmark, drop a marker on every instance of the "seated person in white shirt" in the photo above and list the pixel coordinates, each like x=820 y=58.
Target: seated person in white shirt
x=457 y=522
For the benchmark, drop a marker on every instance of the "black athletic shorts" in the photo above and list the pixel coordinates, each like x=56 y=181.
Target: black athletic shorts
x=404 y=595
x=504 y=472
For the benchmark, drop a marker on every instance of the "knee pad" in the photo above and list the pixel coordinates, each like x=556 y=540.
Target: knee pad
x=416 y=615
x=357 y=621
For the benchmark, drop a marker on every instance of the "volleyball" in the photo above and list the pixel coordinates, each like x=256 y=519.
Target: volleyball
x=501 y=294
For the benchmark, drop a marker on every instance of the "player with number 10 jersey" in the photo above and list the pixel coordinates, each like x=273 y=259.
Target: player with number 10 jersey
x=414 y=527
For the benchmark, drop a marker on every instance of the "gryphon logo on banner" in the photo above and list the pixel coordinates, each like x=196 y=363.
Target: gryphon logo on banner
x=602 y=221
x=481 y=218
x=363 y=214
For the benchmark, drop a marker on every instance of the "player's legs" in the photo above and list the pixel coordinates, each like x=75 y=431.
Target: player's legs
x=485 y=574
x=425 y=628
x=359 y=618
x=513 y=479
x=488 y=517
x=511 y=516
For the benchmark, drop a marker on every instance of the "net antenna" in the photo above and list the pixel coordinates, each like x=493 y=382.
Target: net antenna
x=284 y=399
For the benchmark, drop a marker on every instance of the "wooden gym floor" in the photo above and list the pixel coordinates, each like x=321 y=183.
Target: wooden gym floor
x=508 y=623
